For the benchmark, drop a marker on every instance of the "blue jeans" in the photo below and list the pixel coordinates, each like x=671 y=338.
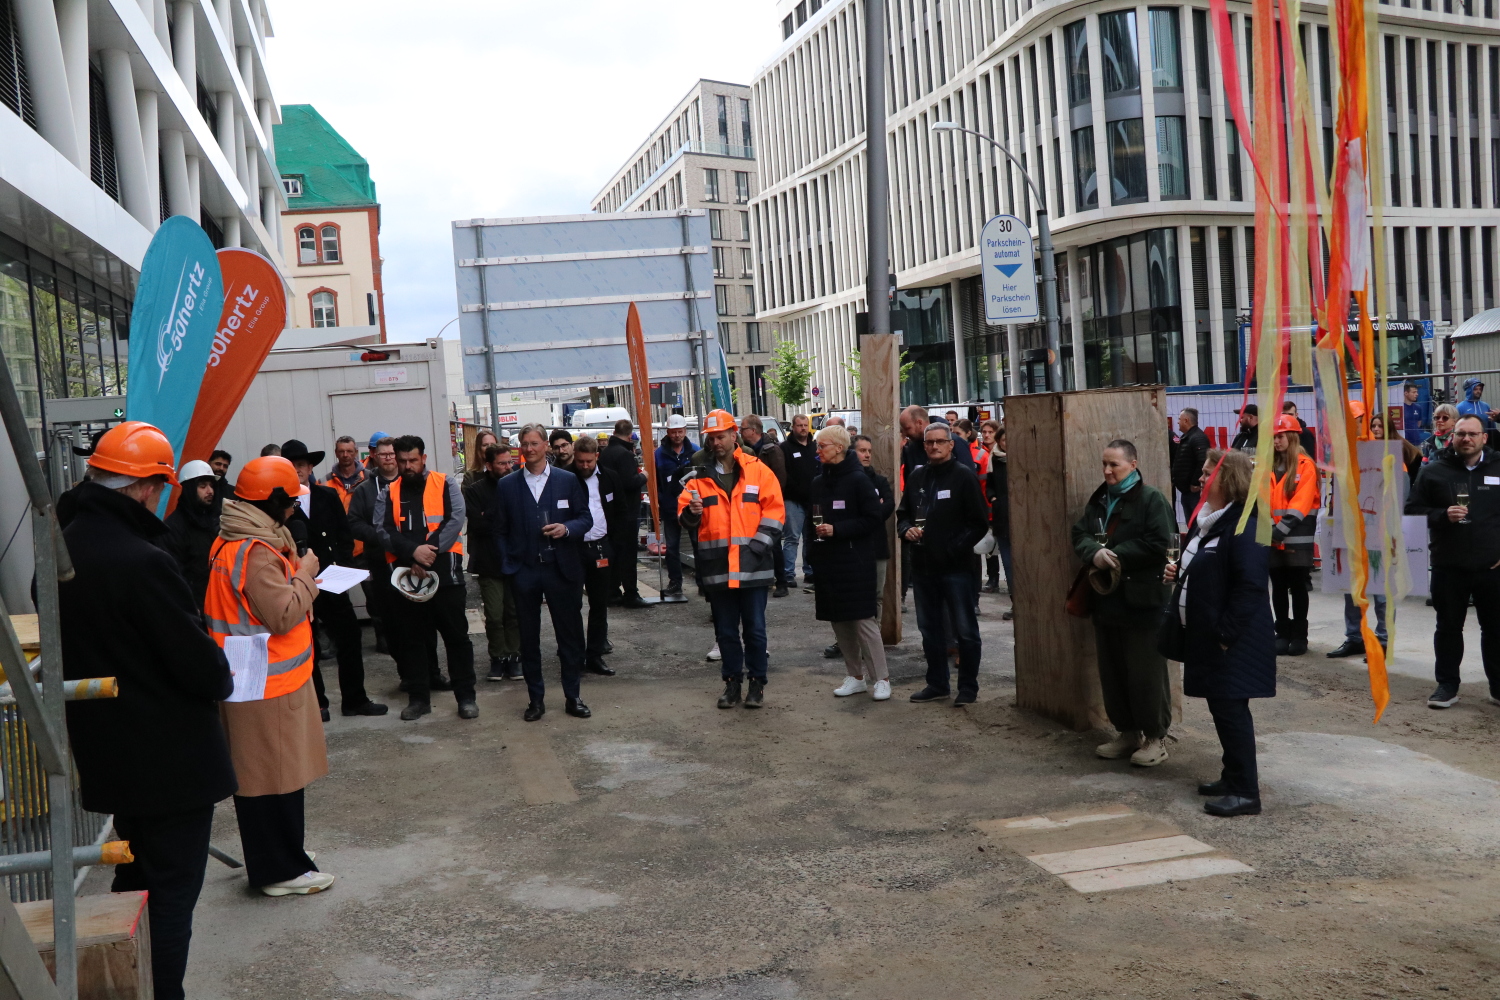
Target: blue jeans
x=1010 y=571
x=671 y=534
x=941 y=601
x=796 y=514
x=1351 y=617
x=738 y=609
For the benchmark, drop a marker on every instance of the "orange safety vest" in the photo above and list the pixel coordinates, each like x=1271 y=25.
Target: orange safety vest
x=432 y=508
x=729 y=524
x=290 y=655
x=1301 y=507
x=336 y=484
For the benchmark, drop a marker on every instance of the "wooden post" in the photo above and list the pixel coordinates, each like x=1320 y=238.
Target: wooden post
x=880 y=395
x=1054 y=441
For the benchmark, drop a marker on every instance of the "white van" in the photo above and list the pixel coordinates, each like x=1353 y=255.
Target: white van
x=603 y=416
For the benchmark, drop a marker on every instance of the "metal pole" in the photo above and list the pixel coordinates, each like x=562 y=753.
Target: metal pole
x=47 y=541
x=484 y=323
x=877 y=177
x=1049 y=302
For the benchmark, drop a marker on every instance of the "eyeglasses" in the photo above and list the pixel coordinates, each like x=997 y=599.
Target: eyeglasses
x=1468 y=434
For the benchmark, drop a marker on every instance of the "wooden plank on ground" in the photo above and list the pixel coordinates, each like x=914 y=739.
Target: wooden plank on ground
x=1153 y=873
x=1124 y=830
x=1112 y=855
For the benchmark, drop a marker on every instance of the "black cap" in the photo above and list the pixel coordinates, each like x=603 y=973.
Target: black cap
x=1250 y=408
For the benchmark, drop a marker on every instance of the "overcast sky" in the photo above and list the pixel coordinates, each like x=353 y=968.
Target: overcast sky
x=497 y=108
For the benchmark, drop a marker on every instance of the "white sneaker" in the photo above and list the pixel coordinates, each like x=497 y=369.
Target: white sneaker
x=714 y=654
x=882 y=691
x=1151 y=753
x=303 y=885
x=1121 y=746
x=851 y=685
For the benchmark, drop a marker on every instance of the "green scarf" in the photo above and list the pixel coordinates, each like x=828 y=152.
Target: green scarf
x=1117 y=491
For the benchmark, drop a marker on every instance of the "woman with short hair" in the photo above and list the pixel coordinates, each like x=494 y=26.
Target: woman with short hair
x=1227 y=638
x=1443 y=419
x=845 y=513
x=1123 y=535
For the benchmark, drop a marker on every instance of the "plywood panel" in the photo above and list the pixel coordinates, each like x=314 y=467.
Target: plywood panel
x=1054 y=441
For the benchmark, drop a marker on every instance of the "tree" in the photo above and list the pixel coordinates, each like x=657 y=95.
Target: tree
x=852 y=367
x=791 y=374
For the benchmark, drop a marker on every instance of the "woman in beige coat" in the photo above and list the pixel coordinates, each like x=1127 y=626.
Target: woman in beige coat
x=259 y=586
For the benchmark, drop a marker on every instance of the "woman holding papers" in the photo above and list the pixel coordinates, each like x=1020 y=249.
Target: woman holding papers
x=260 y=596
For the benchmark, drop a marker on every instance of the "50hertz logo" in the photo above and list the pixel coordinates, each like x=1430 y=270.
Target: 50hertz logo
x=185 y=301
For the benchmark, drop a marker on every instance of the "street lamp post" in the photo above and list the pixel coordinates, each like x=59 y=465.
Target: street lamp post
x=1049 y=266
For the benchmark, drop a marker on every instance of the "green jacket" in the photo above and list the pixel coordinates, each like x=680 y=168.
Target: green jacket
x=1143 y=527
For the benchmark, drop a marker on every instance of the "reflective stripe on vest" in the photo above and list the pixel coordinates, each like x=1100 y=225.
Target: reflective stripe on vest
x=432 y=508
x=336 y=484
x=290 y=655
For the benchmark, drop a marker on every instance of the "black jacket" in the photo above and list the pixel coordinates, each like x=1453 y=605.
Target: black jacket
x=362 y=520
x=192 y=530
x=1248 y=439
x=914 y=454
x=1187 y=467
x=619 y=457
x=999 y=487
x=948 y=496
x=845 y=563
x=478 y=493
x=1228 y=605
x=516 y=520
x=1143 y=525
x=887 y=508
x=401 y=532
x=1460 y=546
x=801 y=469
x=159 y=747
x=328 y=532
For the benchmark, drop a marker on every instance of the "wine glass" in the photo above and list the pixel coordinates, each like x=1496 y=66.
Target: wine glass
x=817 y=520
x=1174 y=550
x=921 y=526
x=1462 y=496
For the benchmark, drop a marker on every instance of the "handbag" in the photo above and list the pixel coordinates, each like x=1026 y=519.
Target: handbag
x=1077 y=604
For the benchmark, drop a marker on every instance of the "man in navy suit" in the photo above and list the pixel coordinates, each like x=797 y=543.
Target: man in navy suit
x=538 y=520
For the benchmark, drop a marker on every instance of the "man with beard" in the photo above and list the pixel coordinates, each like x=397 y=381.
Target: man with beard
x=194 y=525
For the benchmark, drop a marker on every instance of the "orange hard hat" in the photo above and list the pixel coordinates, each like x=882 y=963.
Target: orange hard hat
x=135 y=448
x=1356 y=409
x=260 y=477
x=1287 y=424
x=718 y=420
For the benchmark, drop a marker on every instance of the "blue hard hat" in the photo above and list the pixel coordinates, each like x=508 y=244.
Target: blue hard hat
x=377 y=437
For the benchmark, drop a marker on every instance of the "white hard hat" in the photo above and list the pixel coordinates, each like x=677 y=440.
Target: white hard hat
x=412 y=588
x=675 y=421
x=196 y=469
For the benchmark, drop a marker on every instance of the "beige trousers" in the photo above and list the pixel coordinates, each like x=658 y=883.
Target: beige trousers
x=864 y=655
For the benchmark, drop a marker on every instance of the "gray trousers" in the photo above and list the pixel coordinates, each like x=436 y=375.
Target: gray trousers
x=502 y=628
x=864 y=653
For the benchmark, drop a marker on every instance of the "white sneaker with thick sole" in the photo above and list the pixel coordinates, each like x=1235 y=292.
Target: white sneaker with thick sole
x=1121 y=746
x=851 y=685
x=303 y=885
x=714 y=654
x=1151 y=753
x=882 y=691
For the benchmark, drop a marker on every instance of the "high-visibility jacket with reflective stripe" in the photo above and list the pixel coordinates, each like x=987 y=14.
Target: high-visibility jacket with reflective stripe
x=432 y=508
x=1296 y=517
x=739 y=535
x=290 y=655
x=336 y=484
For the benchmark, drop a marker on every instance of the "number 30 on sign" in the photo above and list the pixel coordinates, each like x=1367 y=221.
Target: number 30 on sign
x=1010 y=294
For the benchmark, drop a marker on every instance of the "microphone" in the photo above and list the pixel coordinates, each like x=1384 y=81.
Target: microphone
x=297 y=527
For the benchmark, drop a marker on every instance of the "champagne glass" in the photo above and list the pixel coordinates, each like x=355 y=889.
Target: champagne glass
x=1462 y=496
x=817 y=520
x=921 y=526
x=1174 y=550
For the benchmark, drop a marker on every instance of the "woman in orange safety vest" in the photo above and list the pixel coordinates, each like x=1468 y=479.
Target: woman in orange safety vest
x=1294 y=508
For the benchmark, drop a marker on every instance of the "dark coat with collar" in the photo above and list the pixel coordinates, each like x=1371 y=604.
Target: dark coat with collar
x=128 y=612
x=1143 y=525
x=328 y=532
x=845 y=563
x=1228 y=605
x=516 y=521
x=948 y=496
x=193 y=528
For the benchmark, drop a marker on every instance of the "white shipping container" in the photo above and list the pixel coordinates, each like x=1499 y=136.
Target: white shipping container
x=319 y=394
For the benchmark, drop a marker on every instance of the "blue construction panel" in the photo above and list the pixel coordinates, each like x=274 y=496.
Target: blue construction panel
x=543 y=305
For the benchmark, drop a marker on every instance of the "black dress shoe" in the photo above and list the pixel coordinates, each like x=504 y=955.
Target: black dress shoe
x=534 y=711
x=634 y=602
x=596 y=665
x=368 y=708
x=965 y=699
x=468 y=709
x=576 y=708
x=415 y=710
x=1232 y=805
x=832 y=652
x=1213 y=788
x=324 y=712
x=779 y=592
x=1351 y=647
x=440 y=683
x=929 y=693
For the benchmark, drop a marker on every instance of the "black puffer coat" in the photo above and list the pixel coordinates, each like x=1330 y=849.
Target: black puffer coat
x=1228 y=605
x=845 y=564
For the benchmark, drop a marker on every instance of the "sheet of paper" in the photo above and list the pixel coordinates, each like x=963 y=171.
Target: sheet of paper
x=338 y=579
x=248 y=660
